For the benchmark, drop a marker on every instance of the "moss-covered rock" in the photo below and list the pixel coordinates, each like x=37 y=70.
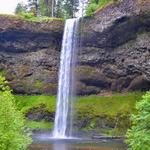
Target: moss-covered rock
x=92 y=114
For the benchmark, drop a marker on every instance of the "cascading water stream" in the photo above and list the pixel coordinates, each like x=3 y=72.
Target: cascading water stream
x=62 y=125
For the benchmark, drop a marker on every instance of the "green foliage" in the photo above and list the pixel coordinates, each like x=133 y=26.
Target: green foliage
x=61 y=9
x=39 y=125
x=38 y=84
x=115 y=108
x=109 y=105
x=66 y=8
x=21 y=8
x=111 y=111
x=32 y=18
x=95 y=5
x=101 y=105
x=25 y=15
x=13 y=135
x=45 y=7
x=3 y=85
x=3 y=72
x=139 y=135
x=33 y=7
x=91 y=9
x=25 y=102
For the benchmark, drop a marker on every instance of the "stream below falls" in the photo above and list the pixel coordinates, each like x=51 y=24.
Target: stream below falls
x=47 y=143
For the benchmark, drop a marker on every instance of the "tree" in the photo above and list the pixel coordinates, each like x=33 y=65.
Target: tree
x=66 y=8
x=47 y=8
x=138 y=137
x=59 y=9
x=71 y=7
x=51 y=8
x=13 y=134
x=44 y=8
x=33 y=6
x=20 y=8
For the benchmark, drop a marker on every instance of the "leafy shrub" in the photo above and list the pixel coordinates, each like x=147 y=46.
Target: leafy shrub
x=138 y=137
x=26 y=15
x=20 y=8
x=94 y=5
x=31 y=17
x=13 y=135
x=92 y=8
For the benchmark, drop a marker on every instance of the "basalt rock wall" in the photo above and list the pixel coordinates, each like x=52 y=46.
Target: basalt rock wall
x=29 y=54
x=115 y=49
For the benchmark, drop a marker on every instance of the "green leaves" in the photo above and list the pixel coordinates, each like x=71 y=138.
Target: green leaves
x=13 y=135
x=66 y=8
x=45 y=7
x=139 y=135
x=20 y=8
x=50 y=8
x=95 y=5
x=3 y=84
x=91 y=9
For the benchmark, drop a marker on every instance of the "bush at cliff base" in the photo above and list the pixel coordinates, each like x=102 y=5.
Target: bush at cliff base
x=13 y=135
x=138 y=137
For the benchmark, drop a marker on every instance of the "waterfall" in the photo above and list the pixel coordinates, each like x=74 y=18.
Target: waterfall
x=82 y=8
x=62 y=125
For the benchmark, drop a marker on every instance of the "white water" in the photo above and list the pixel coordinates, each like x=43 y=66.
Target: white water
x=62 y=125
x=82 y=8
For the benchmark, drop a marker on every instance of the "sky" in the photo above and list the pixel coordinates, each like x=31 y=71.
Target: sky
x=8 y=6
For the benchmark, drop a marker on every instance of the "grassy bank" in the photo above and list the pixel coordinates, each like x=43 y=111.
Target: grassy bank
x=106 y=114
x=26 y=102
x=42 y=125
x=109 y=105
x=31 y=18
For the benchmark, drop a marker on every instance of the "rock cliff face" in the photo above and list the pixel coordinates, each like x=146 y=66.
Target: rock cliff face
x=29 y=54
x=114 y=54
x=115 y=49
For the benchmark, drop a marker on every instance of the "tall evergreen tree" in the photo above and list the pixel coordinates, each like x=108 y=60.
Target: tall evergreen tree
x=59 y=9
x=33 y=6
x=20 y=8
x=66 y=8
x=47 y=8
x=52 y=8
